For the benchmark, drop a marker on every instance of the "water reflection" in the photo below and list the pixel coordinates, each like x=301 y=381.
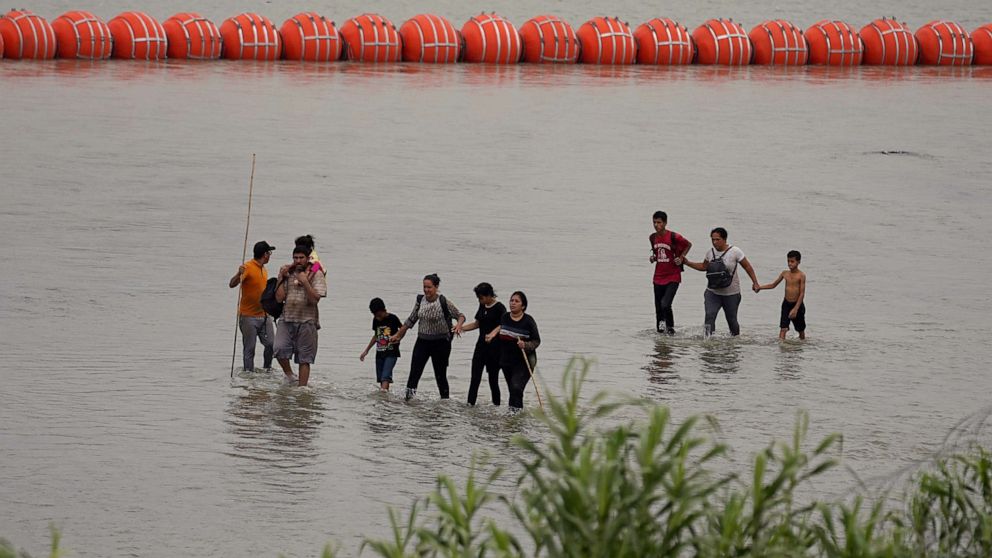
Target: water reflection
x=275 y=429
x=789 y=364
x=662 y=368
x=720 y=355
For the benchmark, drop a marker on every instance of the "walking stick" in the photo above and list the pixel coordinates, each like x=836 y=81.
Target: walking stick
x=539 y=402
x=244 y=254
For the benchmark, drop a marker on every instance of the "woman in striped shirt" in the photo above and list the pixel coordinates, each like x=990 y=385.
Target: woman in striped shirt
x=434 y=312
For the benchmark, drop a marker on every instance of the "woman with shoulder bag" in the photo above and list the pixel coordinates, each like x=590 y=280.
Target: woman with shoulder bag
x=723 y=289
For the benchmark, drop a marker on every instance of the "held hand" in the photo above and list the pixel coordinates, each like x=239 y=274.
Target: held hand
x=678 y=260
x=489 y=337
x=393 y=339
x=283 y=271
x=301 y=276
x=457 y=330
x=755 y=287
x=241 y=270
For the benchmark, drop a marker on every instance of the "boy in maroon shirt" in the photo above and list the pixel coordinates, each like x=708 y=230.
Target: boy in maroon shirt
x=668 y=250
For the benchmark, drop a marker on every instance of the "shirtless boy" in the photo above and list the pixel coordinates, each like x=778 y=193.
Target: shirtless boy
x=793 y=308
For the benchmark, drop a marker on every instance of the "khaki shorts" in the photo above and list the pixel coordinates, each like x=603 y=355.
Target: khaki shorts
x=297 y=339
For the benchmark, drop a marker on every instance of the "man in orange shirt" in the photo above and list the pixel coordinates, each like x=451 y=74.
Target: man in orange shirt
x=253 y=321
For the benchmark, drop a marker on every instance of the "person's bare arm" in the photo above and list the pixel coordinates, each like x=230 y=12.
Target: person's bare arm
x=802 y=295
x=773 y=284
x=236 y=280
x=698 y=266
x=471 y=325
x=368 y=348
x=680 y=259
x=750 y=272
x=492 y=334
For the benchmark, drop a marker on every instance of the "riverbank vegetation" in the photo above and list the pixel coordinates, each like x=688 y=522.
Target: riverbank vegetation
x=603 y=485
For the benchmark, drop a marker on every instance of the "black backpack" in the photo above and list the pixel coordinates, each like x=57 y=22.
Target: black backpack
x=717 y=276
x=268 y=300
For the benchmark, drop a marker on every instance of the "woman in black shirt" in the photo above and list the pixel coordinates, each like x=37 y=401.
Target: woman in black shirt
x=517 y=334
x=486 y=355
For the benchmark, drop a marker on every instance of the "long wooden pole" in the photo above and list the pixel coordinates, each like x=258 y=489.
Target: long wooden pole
x=244 y=256
x=533 y=379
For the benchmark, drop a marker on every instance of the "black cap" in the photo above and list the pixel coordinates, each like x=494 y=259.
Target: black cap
x=262 y=247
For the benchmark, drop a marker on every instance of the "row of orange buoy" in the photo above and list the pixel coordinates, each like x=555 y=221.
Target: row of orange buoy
x=489 y=38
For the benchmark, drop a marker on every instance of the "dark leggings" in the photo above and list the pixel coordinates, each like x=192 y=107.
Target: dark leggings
x=714 y=303
x=484 y=358
x=517 y=377
x=663 y=297
x=437 y=350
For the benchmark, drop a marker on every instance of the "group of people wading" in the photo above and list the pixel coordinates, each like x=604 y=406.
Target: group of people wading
x=723 y=291
x=508 y=338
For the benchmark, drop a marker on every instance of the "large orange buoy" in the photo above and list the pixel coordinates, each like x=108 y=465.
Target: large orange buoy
x=192 y=36
x=82 y=35
x=26 y=35
x=778 y=43
x=888 y=42
x=549 y=39
x=138 y=36
x=250 y=36
x=606 y=40
x=833 y=43
x=944 y=43
x=372 y=38
x=310 y=37
x=722 y=41
x=430 y=38
x=981 y=40
x=491 y=39
x=663 y=41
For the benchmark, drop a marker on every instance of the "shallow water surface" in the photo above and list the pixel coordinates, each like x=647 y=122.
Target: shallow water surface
x=122 y=214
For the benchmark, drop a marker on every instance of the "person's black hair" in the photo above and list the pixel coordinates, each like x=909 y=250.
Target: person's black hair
x=434 y=279
x=794 y=254
x=376 y=304
x=523 y=297
x=305 y=240
x=484 y=289
x=660 y=215
x=302 y=249
x=720 y=231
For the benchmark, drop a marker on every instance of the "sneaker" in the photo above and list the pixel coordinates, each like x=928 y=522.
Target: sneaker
x=410 y=392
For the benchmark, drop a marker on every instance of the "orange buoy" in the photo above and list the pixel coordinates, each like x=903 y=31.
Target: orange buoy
x=778 y=43
x=888 y=43
x=664 y=42
x=833 y=43
x=944 y=43
x=26 y=35
x=981 y=40
x=430 y=38
x=250 y=36
x=606 y=40
x=722 y=41
x=371 y=38
x=548 y=39
x=138 y=36
x=192 y=36
x=491 y=39
x=82 y=35
x=310 y=37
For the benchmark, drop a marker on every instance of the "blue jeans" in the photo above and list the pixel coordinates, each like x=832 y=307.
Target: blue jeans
x=262 y=330
x=384 y=368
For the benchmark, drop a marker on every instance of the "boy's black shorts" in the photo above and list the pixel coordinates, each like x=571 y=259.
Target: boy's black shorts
x=800 y=320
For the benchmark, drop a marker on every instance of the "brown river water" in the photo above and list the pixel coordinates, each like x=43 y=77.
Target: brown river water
x=123 y=196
